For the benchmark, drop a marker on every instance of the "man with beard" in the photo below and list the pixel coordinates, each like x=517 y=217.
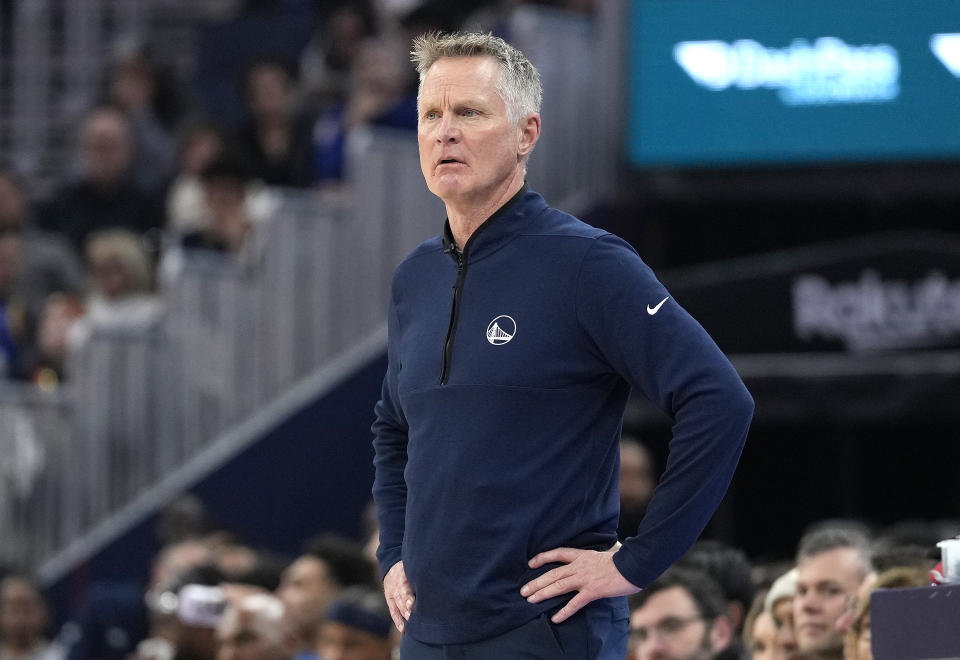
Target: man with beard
x=681 y=616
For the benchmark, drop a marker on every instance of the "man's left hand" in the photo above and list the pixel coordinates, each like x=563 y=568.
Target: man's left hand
x=591 y=574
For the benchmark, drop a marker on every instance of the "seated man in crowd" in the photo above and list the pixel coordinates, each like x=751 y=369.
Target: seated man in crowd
x=255 y=627
x=680 y=616
x=357 y=627
x=105 y=194
x=315 y=579
x=832 y=563
x=23 y=622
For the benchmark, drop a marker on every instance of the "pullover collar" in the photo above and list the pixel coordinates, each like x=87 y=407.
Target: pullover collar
x=498 y=229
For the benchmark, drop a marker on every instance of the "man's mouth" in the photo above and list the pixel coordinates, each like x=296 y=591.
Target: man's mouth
x=448 y=161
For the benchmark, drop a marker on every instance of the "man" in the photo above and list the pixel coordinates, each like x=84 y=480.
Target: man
x=23 y=621
x=312 y=582
x=832 y=563
x=254 y=628
x=105 y=194
x=33 y=265
x=357 y=627
x=637 y=481
x=497 y=433
x=729 y=567
x=681 y=616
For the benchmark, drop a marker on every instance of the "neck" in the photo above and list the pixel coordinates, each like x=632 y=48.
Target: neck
x=466 y=217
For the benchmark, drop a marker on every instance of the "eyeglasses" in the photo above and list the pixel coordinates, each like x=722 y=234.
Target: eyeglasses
x=665 y=629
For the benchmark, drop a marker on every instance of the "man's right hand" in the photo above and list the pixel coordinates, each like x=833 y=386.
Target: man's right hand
x=399 y=595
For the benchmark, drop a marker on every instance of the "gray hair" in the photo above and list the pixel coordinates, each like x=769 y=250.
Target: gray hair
x=519 y=81
x=830 y=538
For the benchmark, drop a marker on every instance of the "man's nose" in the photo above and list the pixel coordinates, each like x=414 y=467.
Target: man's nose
x=809 y=603
x=449 y=130
x=654 y=648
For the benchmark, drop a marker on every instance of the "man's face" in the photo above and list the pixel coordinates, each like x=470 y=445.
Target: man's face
x=637 y=479
x=307 y=590
x=242 y=637
x=826 y=585
x=470 y=152
x=340 y=642
x=12 y=202
x=22 y=613
x=669 y=627
x=107 y=147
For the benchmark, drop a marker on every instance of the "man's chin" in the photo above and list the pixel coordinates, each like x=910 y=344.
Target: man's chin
x=818 y=644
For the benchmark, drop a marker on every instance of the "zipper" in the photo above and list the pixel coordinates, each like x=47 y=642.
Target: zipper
x=461 y=259
x=454 y=316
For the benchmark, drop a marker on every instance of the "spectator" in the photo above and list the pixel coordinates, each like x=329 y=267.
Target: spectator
x=182 y=519
x=33 y=265
x=378 y=95
x=316 y=578
x=857 y=644
x=761 y=637
x=357 y=626
x=23 y=621
x=121 y=278
x=778 y=603
x=60 y=314
x=202 y=143
x=760 y=633
x=174 y=562
x=226 y=192
x=832 y=563
x=276 y=137
x=637 y=481
x=681 y=616
x=200 y=608
x=326 y=61
x=105 y=194
x=730 y=569
x=145 y=93
x=255 y=627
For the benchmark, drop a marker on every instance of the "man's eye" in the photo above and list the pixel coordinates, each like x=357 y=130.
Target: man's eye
x=470 y=113
x=671 y=625
x=431 y=115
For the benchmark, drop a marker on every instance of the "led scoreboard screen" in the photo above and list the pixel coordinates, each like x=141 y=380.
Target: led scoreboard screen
x=746 y=82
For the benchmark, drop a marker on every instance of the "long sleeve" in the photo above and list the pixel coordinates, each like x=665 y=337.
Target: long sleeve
x=390 y=459
x=647 y=338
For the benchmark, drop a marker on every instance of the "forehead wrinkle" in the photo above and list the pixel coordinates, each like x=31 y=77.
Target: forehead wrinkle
x=480 y=84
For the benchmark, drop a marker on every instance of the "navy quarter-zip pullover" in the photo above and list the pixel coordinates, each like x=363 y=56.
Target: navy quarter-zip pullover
x=497 y=432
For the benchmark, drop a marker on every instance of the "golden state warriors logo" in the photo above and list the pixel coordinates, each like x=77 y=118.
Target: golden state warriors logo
x=501 y=330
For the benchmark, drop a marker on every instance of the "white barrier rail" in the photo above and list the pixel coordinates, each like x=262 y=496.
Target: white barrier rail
x=145 y=401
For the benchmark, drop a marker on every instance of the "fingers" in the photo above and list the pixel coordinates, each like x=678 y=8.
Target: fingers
x=395 y=613
x=552 y=583
x=570 y=608
x=564 y=555
x=399 y=595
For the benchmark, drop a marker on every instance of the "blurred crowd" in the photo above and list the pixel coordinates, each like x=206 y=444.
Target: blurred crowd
x=157 y=174
x=209 y=596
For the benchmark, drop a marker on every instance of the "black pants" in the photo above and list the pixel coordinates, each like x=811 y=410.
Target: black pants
x=597 y=632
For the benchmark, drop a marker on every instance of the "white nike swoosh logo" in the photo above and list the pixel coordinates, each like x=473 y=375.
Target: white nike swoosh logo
x=653 y=310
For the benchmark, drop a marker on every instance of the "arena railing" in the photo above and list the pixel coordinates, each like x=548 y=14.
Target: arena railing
x=143 y=402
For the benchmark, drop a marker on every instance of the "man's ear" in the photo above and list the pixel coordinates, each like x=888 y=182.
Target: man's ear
x=529 y=134
x=721 y=634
